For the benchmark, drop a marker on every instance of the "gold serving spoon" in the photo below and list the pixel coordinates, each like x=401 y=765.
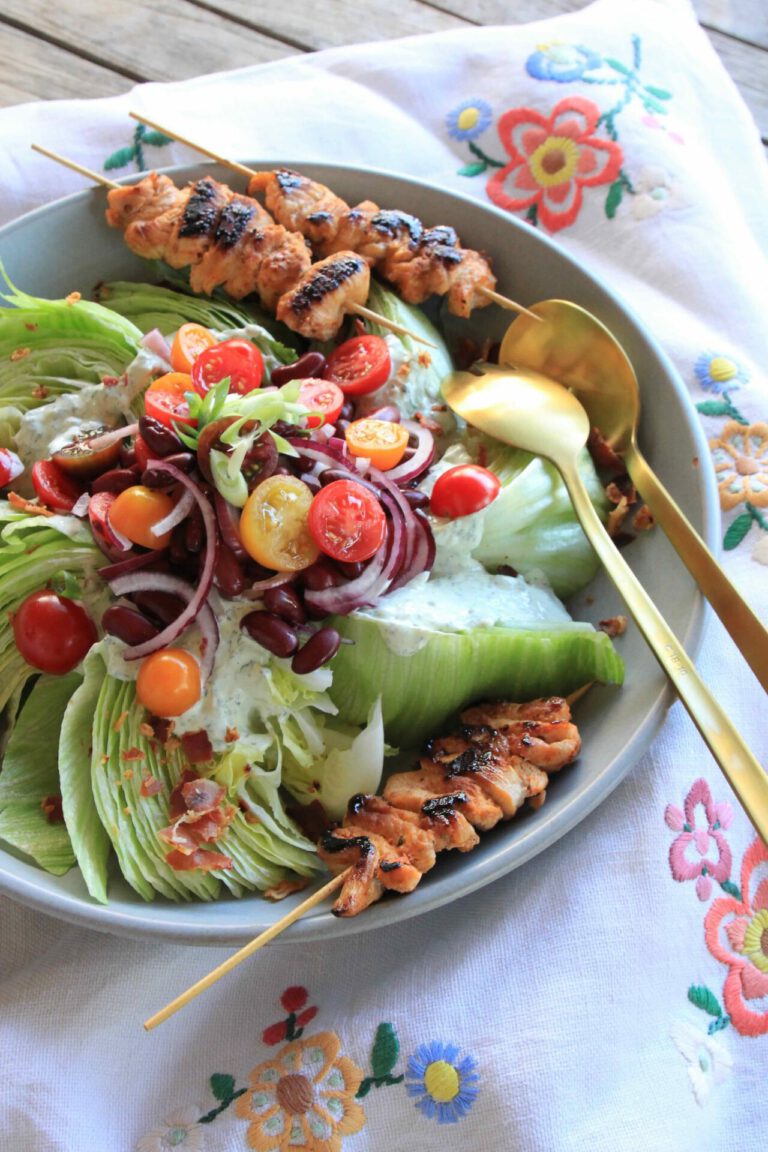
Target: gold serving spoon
x=572 y=347
x=531 y=411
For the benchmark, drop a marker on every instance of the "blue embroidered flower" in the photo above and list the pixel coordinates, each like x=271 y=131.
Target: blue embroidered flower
x=561 y=62
x=469 y=120
x=719 y=373
x=444 y=1087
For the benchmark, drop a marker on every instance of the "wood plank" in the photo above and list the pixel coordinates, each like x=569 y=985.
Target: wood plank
x=32 y=69
x=150 y=39
x=342 y=21
x=748 y=67
x=743 y=19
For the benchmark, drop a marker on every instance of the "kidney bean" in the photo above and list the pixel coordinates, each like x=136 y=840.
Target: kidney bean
x=310 y=364
x=331 y=474
x=116 y=480
x=194 y=531
x=312 y=482
x=319 y=576
x=351 y=569
x=284 y=602
x=128 y=624
x=127 y=454
x=160 y=440
x=161 y=606
x=387 y=412
x=228 y=575
x=415 y=498
x=271 y=632
x=318 y=650
x=157 y=477
x=348 y=410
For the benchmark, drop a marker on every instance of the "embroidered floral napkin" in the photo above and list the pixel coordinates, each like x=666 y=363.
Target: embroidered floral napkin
x=612 y=994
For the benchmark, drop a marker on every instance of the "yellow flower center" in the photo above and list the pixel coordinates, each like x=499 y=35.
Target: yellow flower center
x=554 y=161
x=441 y=1080
x=722 y=369
x=468 y=118
x=756 y=940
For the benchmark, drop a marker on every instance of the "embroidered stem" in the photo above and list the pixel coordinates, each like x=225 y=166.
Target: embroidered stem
x=223 y=1088
x=384 y=1056
x=477 y=151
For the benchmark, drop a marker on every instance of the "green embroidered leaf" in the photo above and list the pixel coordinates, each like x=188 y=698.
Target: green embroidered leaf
x=614 y=197
x=120 y=159
x=653 y=106
x=473 y=169
x=157 y=139
x=364 y=1088
x=729 y=887
x=659 y=93
x=386 y=1049
x=222 y=1085
x=737 y=531
x=394 y=1079
x=713 y=408
x=702 y=998
x=618 y=66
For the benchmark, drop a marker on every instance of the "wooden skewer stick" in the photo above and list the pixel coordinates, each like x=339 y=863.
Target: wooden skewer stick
x=246 y=951
x=88 y=172
x=496 y=297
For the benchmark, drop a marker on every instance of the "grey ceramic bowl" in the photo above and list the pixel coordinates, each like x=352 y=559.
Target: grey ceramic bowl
x=67 y=246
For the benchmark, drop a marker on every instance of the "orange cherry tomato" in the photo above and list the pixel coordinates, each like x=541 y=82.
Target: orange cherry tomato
x=274 y=525
x=188 y=343
x=164 y=398
x=382 y=441
x=135 y=511
x=169 y=682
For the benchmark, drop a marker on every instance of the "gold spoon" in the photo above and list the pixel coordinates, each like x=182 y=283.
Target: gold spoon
x=572 y=347
x=530 y=411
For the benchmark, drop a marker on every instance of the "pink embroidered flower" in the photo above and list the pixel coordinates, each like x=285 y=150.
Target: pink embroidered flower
x=552 y=160
x=700 y=852
x=736 y=932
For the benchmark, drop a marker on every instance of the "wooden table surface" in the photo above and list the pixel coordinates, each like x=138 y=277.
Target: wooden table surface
x=52 y=49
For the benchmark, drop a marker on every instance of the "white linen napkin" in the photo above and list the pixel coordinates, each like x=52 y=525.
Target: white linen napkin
x=612 y=994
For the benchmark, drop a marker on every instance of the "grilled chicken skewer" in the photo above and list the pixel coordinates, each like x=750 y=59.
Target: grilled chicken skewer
x=466 y=783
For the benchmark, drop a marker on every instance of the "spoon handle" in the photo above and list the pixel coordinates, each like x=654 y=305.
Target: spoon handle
x=745 y=629
x=745 y=775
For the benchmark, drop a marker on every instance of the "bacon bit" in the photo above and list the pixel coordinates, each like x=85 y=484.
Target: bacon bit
x=73 y=298
x=620 y=489
x=128 y=774
x=19 y=353
x=40 y=392
x=431 y=425
x=177 y=806
x=606 y=459
x=150 y=786
x=147 y=730
x=203 y=858
x=30 y=327
x=197 y=747
x=120 y=721
x=286 y=888
x=21 y=504
x=617 y=516
x=201 y=796
x=439 y=408
x=643 y=520
x=110 y=381
x=132 y=754
x=403 y=371
x=231 y=734
x=52 y=807
x=614 y=625
x=161 y=728
x=424 y=359
x=172 y=744
x=105 y=760
x=312 y=819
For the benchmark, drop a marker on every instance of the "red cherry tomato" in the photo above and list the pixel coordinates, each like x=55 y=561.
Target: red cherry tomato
x=347 y=522
x=463 y=490
x=239 y=360
x=10 y=466
x=142 y=452
x=359 y=365
x=322 y=396
x=53 y=633
x=54 y=487
x=165 y=399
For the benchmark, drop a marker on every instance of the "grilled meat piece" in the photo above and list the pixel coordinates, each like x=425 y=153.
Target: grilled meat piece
x=151 y=197
x=317 y=304
x=468 y=781
x=300 y=204
x=183 y=233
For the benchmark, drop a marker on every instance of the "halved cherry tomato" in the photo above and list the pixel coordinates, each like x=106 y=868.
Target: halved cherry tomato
x=382 y=441
x=188 y=343
x=52 y=632
x=322 y=396
x=54 y=487
x=240 y=360
x=273 y=524
x=347 y=521
x=134 y=512
x=142 y=451
x=463 y=490
x=169 y=682
x=10 y=466
x=359 y=365
x=164 y=399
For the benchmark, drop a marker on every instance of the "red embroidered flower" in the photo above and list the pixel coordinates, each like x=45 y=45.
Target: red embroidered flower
x=736 y=932
x=552 y=159
x=700 y=852
x=294 y=998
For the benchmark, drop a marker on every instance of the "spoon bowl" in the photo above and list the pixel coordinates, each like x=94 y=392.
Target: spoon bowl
x=528 y=410
x=571 y=346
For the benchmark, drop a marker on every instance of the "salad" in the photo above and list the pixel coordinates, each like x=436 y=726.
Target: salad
x=238 y=570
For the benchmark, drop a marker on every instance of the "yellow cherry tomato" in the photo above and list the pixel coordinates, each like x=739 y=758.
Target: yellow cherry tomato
x=273 y=524
x=135 y=511
x=169 y=682
x=188 y=343
x=382 y=441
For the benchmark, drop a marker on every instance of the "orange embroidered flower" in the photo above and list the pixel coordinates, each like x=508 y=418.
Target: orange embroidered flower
x=552 y=160
x=740 y=454
x=304 y=1097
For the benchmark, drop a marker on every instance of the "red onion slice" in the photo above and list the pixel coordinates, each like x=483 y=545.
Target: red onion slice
x=422 y=457
x=255 y=590
x=131 y=564
x=228 y=518
x=80 y=506
x=179 y=512
x=154 y=341
x=106 y=439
